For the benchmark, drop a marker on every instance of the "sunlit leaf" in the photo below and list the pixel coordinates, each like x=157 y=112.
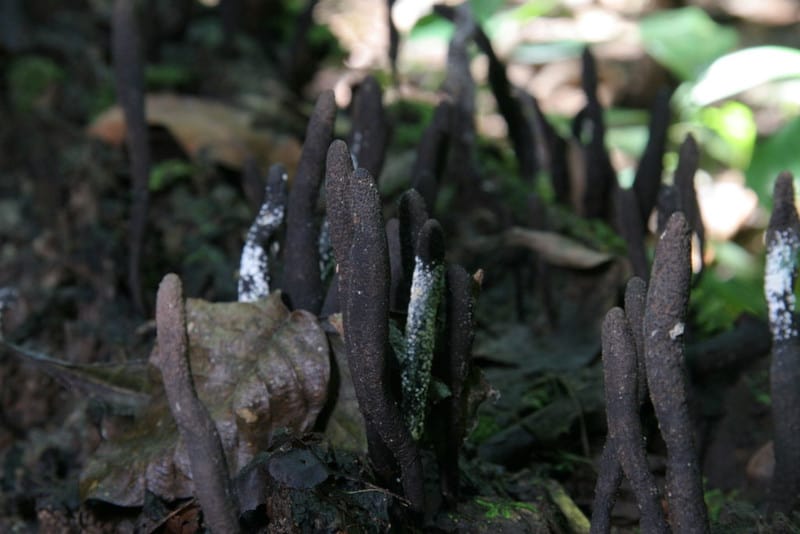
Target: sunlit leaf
x=745 y=69
x=735 y=125
x=685 y=40
x=432 y=27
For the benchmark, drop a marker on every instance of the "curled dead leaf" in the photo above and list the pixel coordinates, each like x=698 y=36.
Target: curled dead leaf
x=257 y=367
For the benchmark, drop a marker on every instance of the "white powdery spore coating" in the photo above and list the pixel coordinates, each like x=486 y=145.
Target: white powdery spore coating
x=779 y=281
x=426 y=289
x=254 y=265
x=253 y=273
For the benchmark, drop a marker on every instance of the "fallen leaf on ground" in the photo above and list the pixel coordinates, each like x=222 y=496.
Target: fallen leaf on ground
x=223 y=132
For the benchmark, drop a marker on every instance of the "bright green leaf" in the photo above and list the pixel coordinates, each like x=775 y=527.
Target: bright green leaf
x=432 y=27
x=734 y=124
x=165 y=173
x=483 y=9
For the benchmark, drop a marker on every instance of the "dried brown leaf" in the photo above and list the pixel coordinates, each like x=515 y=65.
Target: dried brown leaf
x=224 y=133
x=556 y=249
x=257 y=368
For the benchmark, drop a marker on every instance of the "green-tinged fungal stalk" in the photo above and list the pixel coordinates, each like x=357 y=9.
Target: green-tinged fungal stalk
x=427 y=286
x=254 y=264
x=783 y=244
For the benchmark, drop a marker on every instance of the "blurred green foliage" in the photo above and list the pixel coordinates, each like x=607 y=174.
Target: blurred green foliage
x=30 y=78
x=685 y=40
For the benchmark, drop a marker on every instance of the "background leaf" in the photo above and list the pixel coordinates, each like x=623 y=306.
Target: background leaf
x=685 y=40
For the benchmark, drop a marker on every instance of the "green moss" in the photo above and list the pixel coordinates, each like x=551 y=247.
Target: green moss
x=504 y=509
x=31 y=78
x=485 y=428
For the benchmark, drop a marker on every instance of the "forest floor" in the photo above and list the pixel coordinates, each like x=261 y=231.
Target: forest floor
x=64 y=214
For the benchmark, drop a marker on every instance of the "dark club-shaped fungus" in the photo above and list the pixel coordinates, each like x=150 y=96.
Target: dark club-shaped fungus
x=301 y=273
x=412 y=215
x=370 y=132
x=651 y=165
x=590 y=131
x=621 y=370
x=209 y=468
x=451 y=366
x=783 y=244
x=664 y=324
x=627 y=444
x=359 y=243
x=432 y=152
x=129 y=75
